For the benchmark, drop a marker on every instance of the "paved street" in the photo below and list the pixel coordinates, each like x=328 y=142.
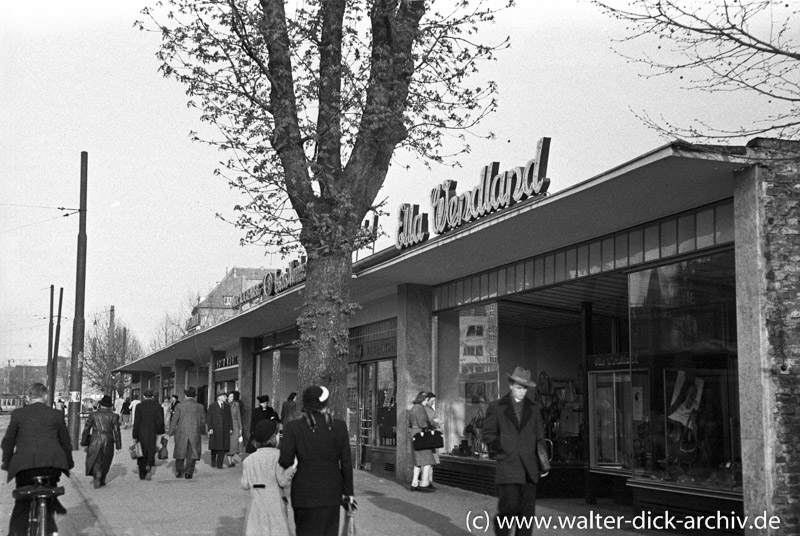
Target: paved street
x=213 y=503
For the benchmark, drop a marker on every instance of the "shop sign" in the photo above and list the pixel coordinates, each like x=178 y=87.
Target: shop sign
x=226 y=361
x=613 y=360
x=495 y=191
x=274 y=283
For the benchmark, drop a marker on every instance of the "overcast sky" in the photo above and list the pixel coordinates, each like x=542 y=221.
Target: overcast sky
x=76 y=76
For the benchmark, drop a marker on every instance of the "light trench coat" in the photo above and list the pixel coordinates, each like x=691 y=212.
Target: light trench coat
x=267 y=513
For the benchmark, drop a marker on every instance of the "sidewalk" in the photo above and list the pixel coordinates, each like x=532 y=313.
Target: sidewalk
x=213 y=503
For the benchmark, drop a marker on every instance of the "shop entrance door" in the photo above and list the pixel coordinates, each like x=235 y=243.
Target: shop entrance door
x=377 y=409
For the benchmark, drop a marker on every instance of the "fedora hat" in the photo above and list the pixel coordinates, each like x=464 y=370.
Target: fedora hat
x=522 y=377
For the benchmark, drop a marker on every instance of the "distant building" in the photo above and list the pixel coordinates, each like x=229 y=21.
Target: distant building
x=218 y=305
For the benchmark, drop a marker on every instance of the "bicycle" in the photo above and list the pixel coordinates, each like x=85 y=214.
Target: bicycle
x=40 y=495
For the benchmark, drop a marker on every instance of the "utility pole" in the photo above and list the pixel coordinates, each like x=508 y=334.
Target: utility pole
x=109 y=351
x=78 y=323
x=54 y=370
x=50 y=349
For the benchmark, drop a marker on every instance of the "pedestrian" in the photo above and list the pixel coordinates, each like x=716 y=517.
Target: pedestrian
x=324 y=477
x=118 y=405
x=268 y=483
x=148 y=425
x=166 y=408
x=261 y=412
x=36 y=444
x=100 y=435
x=187 y=421
x=134 y=402
x=237 y=445
x=430 y=409
x=420 y=420
x=290 y=410
x=126 y=412
x=220 y=428
x=512 y=429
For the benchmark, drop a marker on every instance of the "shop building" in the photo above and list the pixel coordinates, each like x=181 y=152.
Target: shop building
x=656 y=304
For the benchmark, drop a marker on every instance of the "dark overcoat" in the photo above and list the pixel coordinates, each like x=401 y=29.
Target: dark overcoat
x=101 y=434
x=186 y=425
x=36 y=437
x=219 y=420
x=324 y=467
x=148 y=424
x=512 y=441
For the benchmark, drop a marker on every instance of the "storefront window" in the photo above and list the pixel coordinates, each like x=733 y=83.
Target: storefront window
x=468 y=376
x=352 y=403
x=685 y=431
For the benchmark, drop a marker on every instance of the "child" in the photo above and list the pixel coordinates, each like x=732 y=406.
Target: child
x=268 y=510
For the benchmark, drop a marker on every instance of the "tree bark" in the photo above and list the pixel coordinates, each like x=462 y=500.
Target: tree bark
x=324 y=326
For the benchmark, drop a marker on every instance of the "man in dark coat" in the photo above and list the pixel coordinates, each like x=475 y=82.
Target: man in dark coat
x=101 y=435
x=186 y=423
x=148 y=424
x=324 y=476
x=36 y=443
x=511 y=429
x=220 y=428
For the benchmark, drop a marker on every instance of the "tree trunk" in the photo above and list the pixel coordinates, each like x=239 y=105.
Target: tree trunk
x=324 y=326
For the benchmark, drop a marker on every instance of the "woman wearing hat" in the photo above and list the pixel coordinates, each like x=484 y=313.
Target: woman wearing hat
x=100 y=435
x=262 y=412
x=324 y=478
x=267 y=482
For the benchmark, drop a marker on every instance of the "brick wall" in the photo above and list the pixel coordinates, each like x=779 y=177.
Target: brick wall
x=781 y=246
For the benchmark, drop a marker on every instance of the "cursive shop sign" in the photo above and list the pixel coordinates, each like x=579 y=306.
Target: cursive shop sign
x=495 y=191
x=274 y=283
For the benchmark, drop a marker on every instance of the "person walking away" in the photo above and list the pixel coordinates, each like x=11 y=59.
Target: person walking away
x=100 y=435
x=36 y=444
x=135 y=402
x=262 y=412
x=187 y=421
x=290 y=409
x=236 y=446
x=324 y=469
x=148 y=425
x=268 y=483
x=419 y=421
x=118 y=405
x=512 y=428
x=220 y=428
x=126 y=412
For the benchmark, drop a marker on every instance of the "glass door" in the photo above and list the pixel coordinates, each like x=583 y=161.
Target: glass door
x=366 y=414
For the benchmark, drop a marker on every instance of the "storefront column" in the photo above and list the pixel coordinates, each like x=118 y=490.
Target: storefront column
x=767 y=290
x=247 y=373
x=414 y=367
x=181 y=366
x=212 y=395
x=165 y=375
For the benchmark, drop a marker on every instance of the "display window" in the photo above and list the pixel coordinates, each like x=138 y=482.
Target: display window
x=685 y=430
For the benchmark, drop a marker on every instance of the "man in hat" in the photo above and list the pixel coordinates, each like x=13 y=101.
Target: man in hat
x=512 y=428
x=220 y=428
x=324 y=475
x=187 y=421
x=148 y=424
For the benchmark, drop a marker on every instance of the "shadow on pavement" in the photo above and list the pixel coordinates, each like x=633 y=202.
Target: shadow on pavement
x=227 y=525
x=436 y=522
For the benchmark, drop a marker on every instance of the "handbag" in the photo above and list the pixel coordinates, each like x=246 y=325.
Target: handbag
x=163 y=452
x=427 y=440
x=543 y=455
x=136 y=451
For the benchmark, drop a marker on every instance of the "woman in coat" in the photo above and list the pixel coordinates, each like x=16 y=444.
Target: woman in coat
x=100 y=435
x=267 y=482
x=424 y=460
x=236 y=418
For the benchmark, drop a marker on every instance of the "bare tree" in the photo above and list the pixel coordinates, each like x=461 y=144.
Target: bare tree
x=101 y=358
x=171 y=329
x=721 y=46
x=312 y=99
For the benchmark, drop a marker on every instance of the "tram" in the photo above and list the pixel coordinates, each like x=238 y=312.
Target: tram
x=9 y=403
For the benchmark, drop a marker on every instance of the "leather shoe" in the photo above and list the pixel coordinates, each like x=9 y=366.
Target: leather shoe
x=414 y=488
x=179 y=474
x=58 y=507
x=188 y=476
